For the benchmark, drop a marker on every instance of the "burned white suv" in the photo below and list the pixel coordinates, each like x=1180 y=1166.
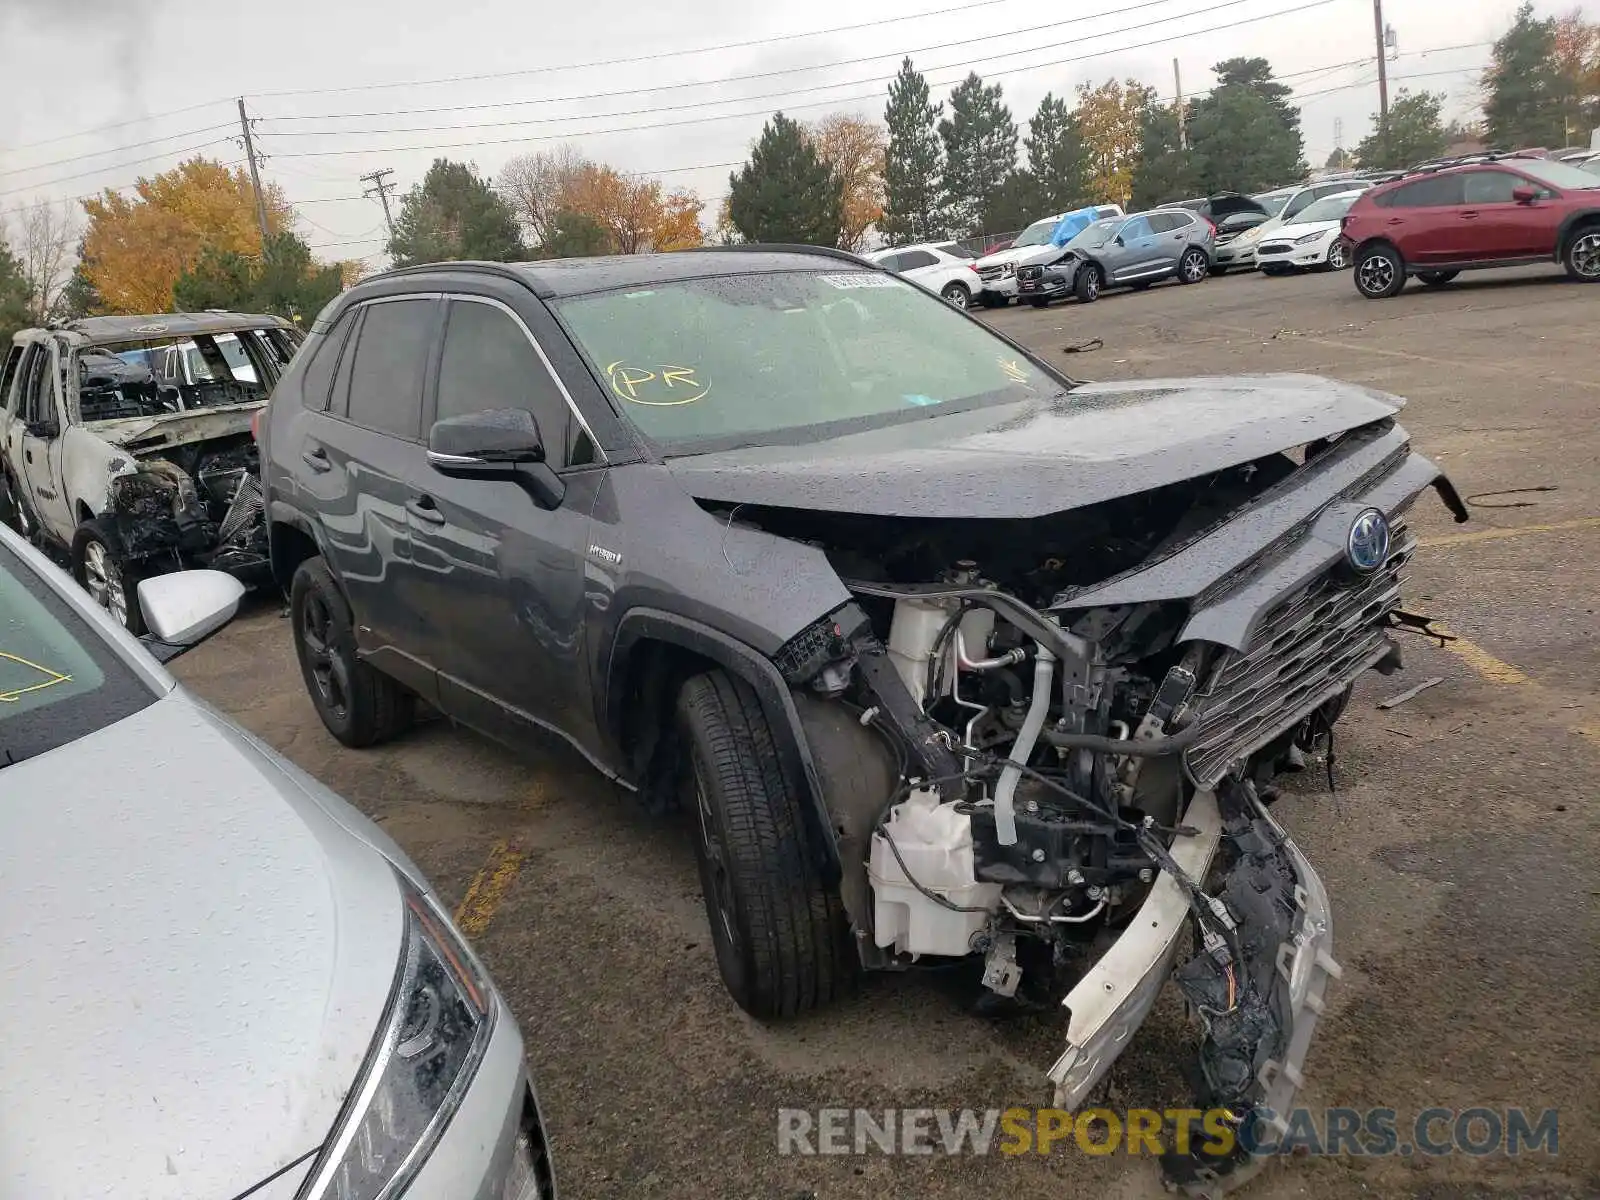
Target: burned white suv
x=125 y=468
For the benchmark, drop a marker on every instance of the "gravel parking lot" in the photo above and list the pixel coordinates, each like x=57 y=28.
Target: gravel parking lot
x=1459 y=847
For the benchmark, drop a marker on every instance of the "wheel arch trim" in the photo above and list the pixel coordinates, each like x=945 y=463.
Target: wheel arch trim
x=643 y=623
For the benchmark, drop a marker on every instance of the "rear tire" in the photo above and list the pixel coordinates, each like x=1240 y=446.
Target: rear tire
x=102 y=570
x=359 y=705
x=781 y=939
x=958 y=295
x=1193 y=266
x=1086 y=287
x=1380 y=272
x=1437 y=278
x=1582 y=258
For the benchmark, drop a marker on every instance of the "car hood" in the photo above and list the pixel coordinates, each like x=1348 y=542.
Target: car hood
x=197 y=956
x=1020 y=255
x=1095 y=443
x=175 y=429
x=1302 y=228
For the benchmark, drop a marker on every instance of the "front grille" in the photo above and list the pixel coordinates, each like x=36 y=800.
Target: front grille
x=1308 y=650
x=1275 y=248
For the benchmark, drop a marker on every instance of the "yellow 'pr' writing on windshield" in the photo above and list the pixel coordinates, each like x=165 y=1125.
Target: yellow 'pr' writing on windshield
x=51 y=678
x=672 y=385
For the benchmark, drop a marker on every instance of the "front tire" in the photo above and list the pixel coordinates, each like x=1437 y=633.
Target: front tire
x=102 y=570
x=359 y=705
x=1086 y=287
x=1582 y=258
x=1338 y=257
x=780 y=935
x=1380 y=272
x=958 y=295
x=1193 y=266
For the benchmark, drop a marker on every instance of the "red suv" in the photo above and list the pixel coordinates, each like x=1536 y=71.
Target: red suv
x=1492 y=213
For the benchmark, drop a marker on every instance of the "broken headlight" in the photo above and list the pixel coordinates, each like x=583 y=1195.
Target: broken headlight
x=438 y=1024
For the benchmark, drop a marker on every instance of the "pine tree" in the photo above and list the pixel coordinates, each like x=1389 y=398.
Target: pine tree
x=1166 y=172
x=1056 y=158
x=1245 y=135
x=914 y=207
x=980 y=151
x=1523 y=89
x=785 y=193
x=13 y=296
x=454 y=214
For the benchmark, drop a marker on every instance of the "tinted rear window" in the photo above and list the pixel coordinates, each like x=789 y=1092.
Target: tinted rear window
x=386 y=376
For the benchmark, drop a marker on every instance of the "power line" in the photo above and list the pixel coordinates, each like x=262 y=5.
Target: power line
x=171 y=112
x=773 y=74
x=639 y=58
x=117 y=167
x=169 y=137
x=763 y=112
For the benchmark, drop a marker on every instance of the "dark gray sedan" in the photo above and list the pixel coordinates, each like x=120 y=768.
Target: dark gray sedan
x=1131 y=252
x=219 y=978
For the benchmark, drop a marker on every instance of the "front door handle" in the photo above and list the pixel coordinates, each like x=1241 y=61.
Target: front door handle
x=316 y=458
x=424 y=509
x=1397 y=220
x=1469 y=216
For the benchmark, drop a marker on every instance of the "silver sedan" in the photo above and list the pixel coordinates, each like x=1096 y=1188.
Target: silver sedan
x=219 y=978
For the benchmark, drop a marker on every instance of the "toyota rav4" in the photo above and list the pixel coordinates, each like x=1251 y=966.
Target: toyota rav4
x=946 y=654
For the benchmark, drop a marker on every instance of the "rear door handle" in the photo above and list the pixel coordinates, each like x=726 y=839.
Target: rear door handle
x=424 y=509
x=1469 y=216
x=28 y=454
x=1397 y=220
x=316 y=458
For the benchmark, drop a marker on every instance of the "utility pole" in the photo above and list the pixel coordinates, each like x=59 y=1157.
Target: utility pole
x=1383 y=77
x=380 y=183
x=1338 y=140
x=255 y=174
x=1177 y=87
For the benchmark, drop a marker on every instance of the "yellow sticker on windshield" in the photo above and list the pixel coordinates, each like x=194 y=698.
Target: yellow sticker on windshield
x=1013 y=370
x=664 y=387
x=50 y=678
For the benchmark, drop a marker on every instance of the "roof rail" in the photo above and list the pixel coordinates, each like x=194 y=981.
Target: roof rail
x=782 y=248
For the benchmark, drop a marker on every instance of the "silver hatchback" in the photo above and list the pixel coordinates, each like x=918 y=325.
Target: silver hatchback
x=1131 y=252
x=219 y=978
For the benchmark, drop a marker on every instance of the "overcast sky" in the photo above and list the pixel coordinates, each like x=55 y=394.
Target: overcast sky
x=71 y=66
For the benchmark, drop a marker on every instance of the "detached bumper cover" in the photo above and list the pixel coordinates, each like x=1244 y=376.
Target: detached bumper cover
x=1112 y=1000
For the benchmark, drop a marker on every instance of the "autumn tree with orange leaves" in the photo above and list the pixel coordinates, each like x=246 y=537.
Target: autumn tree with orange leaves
x=138 y=245
x=854 y=146
x=637 y=214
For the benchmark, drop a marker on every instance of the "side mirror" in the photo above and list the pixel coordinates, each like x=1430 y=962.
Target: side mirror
x=499 y=444
x=186 y=607
x=1524 y=194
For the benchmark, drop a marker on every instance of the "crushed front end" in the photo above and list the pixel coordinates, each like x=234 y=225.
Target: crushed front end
x=193 y=504
x=1083 y=716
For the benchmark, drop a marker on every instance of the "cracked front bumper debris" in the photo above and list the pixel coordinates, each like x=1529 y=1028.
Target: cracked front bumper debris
x=1112 y=1000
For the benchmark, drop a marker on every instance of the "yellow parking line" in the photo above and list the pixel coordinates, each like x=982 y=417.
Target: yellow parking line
x=1491 y=535
x=489 y=886
x=1484 y=663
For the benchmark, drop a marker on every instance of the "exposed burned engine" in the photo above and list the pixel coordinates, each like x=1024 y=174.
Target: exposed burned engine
x=198 y=504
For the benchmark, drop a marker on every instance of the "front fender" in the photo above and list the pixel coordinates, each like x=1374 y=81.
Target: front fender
x=777 y=703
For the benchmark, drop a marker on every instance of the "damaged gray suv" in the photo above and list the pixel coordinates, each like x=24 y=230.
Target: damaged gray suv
x=949 y=655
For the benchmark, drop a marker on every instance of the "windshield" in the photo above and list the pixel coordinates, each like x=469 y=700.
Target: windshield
x=150 y=378
x=1556 y=174
x=1038 y=233
x=59 y=679
x=791 y=356
x=1273 y=202
x=1329 y=208
x=1096 y=235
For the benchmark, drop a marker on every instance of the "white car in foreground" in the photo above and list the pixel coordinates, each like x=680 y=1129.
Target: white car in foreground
x=1311 y=241
x=942 y=267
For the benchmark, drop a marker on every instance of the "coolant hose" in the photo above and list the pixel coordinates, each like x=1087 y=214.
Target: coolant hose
x=1128 y=747
x=1005 y=813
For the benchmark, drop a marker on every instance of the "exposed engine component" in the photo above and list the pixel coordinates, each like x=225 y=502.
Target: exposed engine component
x=200 y=502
